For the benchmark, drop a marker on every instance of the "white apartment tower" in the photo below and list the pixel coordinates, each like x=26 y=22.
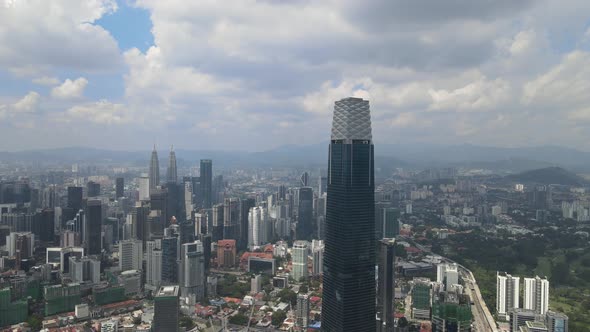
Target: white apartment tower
x=536 y=294
x=507 y=293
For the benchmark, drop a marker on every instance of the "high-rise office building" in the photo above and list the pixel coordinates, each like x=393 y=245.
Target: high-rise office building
x=93 y=227
x=226 y=253
x=206 y=183
x=231 y=219
x=144 y=188
x=245 y=206
x=217 y=229
x=255 y=220
x=153 y=276
x=192 y=283
x=169 y=259
x=507 y=293
x=390 y=222
x=536 y=294
x=304 y=178
x=322 y=185
x=349 y=259
x=300 y=259
x=75 y=198
x=93 y=189
x=119 y=187
x=386 y=284
x=206 y=241
x=166 y=309
x=130 y=255
x=47 y=225
x=171 y=173
x=305 y=214
x=302 y=310
x=317 y=254
x=154 y=172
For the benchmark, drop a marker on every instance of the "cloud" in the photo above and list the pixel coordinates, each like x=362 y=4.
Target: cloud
x=102 y=112
x=481 y=95
x=70 y=89
x=27 y=104
x=268 y=72
x=37 y=36
x=46 y=80
x=403 y=120
x=566 y=85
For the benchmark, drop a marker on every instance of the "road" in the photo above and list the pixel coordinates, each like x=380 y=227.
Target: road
x=483 y=320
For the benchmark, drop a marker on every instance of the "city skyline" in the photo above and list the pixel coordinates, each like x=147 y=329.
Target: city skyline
x=93 y=80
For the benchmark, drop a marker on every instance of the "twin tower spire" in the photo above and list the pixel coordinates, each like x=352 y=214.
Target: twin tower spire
x=154 y=173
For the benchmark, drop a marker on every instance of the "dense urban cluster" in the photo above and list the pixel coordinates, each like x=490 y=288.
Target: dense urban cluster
x=116 y=247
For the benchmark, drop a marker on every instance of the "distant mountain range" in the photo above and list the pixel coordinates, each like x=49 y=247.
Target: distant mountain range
x=549 y=175
x=386 y=156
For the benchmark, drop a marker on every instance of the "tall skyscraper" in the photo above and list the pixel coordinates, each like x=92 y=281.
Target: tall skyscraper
x=245 y=206
x=166 y=309
x=231 y=219
x=47 y=225
x=302 y=310
x=153 y=276
x=119 y=187
x=217 y=229
x=206 y=183
x=93 y=227
x=390 y=222
x=144 y=188
x=317 y=252
x=349 y=260
x=192 y=275
x=300 y=260
x=305 y=214
x=304 y=178
x=507 y=293
x=93 y=189
x=75 y=198
x=386 y=285
x=171 y=174
x=169 y=259
x=536 y=294
x=154 y=170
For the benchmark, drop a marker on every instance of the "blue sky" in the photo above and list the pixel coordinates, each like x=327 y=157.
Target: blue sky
x=253 y=75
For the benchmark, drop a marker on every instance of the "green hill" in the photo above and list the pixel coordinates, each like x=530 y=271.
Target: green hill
x=549 y=175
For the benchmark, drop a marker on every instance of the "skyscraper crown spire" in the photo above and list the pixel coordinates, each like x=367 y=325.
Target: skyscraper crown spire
x=154 y=170
x=171 y=175
x=352 y=120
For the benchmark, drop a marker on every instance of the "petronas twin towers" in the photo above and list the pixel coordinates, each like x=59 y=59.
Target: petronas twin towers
x=154 y=173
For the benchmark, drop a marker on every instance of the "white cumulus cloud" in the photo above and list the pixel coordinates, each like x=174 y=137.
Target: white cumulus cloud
x=27 y=104
x=101 y=112
x=70 y=89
